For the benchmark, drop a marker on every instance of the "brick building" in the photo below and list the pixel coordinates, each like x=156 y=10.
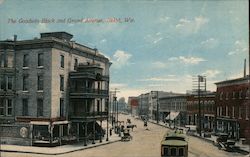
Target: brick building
x=49 y=86
x=207 y=102
x=233 y=107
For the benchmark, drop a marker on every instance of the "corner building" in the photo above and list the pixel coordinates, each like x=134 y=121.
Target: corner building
x=52 y=90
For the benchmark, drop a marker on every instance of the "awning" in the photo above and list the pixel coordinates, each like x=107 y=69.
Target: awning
x=172 y=115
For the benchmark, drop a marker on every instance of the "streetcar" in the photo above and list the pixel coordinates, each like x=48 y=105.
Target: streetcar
x=174 y=144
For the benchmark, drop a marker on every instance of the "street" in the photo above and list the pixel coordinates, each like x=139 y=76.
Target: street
x=145 y=143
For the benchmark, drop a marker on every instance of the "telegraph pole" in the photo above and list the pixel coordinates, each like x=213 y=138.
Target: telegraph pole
x=157 y=101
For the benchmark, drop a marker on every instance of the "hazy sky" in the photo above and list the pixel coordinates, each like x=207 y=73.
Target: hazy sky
x=161 y=46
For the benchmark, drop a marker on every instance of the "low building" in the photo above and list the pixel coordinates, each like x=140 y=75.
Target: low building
x=233 y=107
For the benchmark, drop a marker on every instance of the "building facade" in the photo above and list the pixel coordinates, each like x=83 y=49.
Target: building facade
x=43 y=82
x=173 y=110
x=207 y=110
x=233 y=107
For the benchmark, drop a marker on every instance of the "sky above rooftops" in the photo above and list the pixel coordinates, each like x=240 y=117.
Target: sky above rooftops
x=153 y=45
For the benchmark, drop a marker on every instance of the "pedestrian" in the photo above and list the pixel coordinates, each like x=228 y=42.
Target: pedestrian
x=110 y=131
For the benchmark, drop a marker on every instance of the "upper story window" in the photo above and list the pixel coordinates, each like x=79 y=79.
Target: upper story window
x=3 y=60
x=25 y=107
x=61 y=83
x=75 y=64
x=3 y=83
x=39 y=107
x=227 y=94
x=9 y=107
x=1 y=107
x=25 y=60
x=62 y=61
x=40 y=59
x=10 y=82
x=39 y=82
x=226 y=110
x=247 y=93
x=25 y=83
x=233 y=94
x=240 y=94
x=233 y=112
x=221 y=95
x=61 y=107
x=247 y=112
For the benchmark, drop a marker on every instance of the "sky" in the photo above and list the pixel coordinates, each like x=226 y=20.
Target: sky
x=152 y=44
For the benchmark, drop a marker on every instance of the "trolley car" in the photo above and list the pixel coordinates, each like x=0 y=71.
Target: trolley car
x=174 y=144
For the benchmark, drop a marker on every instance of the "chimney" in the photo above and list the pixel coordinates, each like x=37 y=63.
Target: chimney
x=15 y=38
x=244 y=68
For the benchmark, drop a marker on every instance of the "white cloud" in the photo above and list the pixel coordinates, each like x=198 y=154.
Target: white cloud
x=209 y=43
x=191 y=26
x=159 y=65
x=211 y=73
x=160 y=79
x=164 y=19
x=154 y=38
x=240 y=46
x=120 y=58
x=42 y=27
x=117 y=85
x=103 y=41
x=187 y=60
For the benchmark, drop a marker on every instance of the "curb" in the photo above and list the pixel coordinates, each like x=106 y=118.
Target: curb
x=29 y=152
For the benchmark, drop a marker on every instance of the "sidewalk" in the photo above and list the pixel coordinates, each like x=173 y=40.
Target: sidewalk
x=244 y=148
x=59 y=149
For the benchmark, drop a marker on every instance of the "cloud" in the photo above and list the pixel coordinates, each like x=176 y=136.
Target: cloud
x=160 y=79
x=103 y=41
x=187 y=60
x=191 y=26
x=211 y=73
x=120 y=59
x=240 y=46
x=154 y=38
x=1 y=2
x=117 y=85
x=42 y=27
x=164 y=19
x=209 y=43
x=159 y=65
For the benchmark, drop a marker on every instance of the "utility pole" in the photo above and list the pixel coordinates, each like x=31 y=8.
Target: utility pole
x=157 y=101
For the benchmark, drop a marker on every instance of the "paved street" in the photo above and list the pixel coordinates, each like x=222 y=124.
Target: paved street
x=145 y=143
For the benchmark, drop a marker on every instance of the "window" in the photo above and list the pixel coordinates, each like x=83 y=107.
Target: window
x=1 y=107
x=221 y=95
x=61 y=83
x=25 y=83
x=233 y=94
x=239 y=112
x=240 y=94
x=62 y=61
x=9 y=107
x=39 y=82
x=3 y=83
x=226 y=110
x=165 y=151
x=76 y=64
x=247 y=93
x=221 y=111
x=247 y=112
x=2 y=60
x=181 y=151
x=25 y=107
x=25 y=60
x=233 y=114
x=10 y=82
x=39 y=107
x=227 y=96
x=61 y=107
x=173 y=151
x=40 y=59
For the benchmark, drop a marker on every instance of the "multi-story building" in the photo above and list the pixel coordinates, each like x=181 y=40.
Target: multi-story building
x=173 y=109
x=207 y=110
x=143 y=108
x=52 y=89
x=233 y=107
x=133 y=104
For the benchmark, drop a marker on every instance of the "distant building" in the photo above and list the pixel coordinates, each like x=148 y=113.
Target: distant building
x=51 y=89
x=143 y=107
x=233 y=107
x=133 y=104
x=173 y=109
